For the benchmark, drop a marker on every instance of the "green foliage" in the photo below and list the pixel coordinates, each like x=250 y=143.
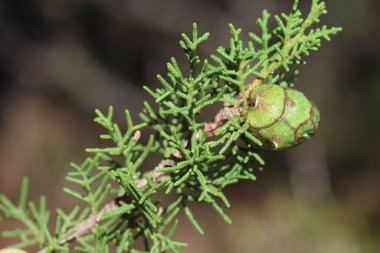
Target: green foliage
x=86 y=176
x=195 y=167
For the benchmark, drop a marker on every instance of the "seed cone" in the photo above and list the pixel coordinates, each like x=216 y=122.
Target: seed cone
x=281 y=117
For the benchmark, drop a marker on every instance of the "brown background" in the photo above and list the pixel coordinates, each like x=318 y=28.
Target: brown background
x=60 y=59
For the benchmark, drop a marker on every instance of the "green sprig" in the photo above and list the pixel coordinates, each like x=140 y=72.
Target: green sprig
x=195 y=168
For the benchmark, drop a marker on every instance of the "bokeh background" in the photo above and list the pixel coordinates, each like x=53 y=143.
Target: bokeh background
x=60 y=59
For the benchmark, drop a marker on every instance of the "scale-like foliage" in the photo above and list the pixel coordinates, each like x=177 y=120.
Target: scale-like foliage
x=196 y=164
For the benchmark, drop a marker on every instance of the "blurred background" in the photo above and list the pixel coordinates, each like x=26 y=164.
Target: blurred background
x=61 y=59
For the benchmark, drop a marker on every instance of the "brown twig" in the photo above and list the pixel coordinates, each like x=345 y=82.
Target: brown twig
x=223 y=115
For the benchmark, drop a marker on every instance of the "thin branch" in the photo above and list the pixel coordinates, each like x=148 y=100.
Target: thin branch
x=223 y=115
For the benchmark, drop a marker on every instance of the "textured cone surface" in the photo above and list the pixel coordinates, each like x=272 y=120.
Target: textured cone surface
x=281 y=117
x=269 y=99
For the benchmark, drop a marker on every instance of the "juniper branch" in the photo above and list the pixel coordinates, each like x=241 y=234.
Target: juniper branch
x=88 y=225
x=194 y=167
